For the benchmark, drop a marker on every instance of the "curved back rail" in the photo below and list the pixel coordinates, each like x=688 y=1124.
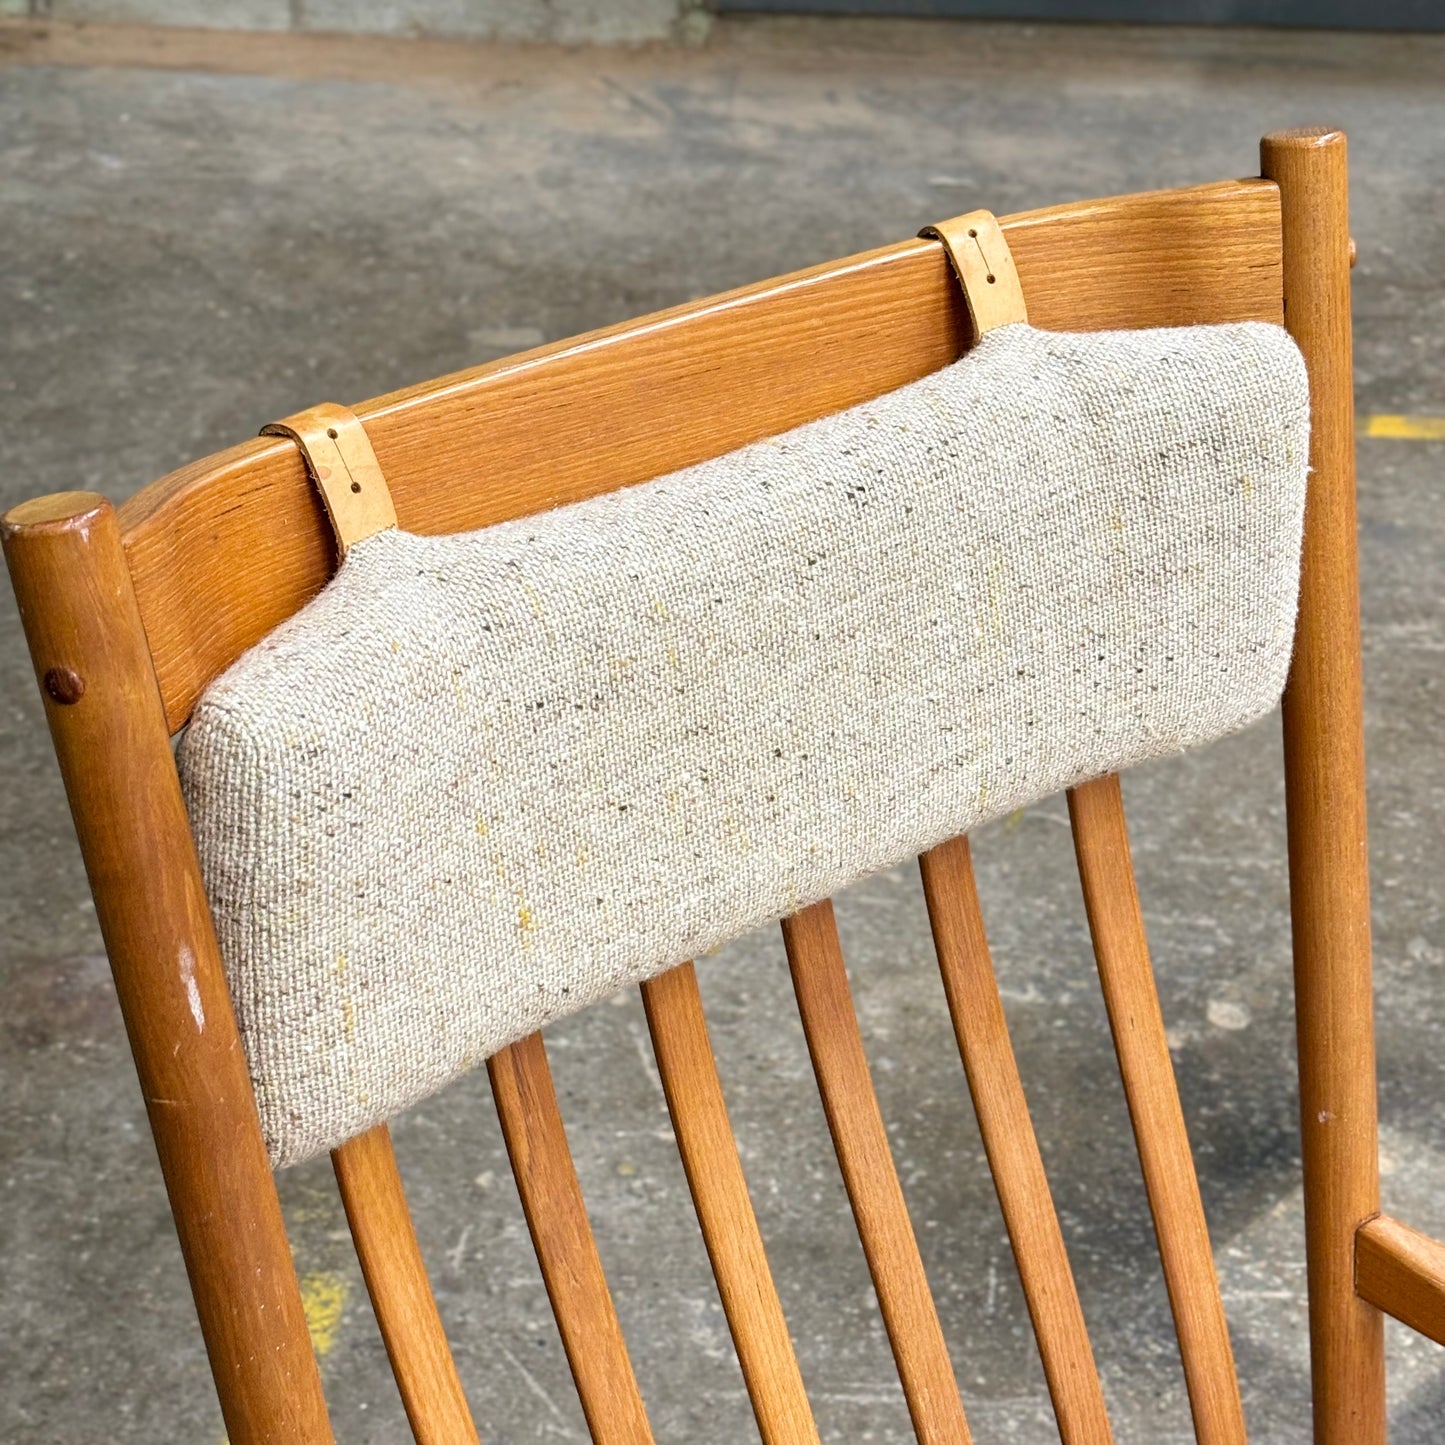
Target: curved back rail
x=129 y=618
x=224 y=550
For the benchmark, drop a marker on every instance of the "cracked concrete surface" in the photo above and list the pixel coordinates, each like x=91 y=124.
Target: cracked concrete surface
x=198 y=235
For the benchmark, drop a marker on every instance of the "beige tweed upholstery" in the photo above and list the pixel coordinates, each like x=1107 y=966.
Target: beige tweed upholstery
x=483 y=780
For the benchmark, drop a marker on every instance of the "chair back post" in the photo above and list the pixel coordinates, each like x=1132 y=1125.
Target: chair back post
x=104 y=709
x=1325 y=799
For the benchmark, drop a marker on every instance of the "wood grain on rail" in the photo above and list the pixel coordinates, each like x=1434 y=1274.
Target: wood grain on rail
x=226 y=549
x=1401 y=1271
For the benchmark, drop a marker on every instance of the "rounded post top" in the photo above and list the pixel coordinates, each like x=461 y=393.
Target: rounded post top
x=1310 y=165
x=1305 y=137
x=60 y=511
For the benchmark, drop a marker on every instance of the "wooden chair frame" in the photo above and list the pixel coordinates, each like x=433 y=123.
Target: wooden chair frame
x=129 y=614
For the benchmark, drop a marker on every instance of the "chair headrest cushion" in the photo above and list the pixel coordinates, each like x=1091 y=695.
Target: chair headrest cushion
x=481 y=781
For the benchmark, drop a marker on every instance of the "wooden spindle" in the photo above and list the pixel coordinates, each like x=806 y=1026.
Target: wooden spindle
x=820 y=981
x=1101 y=842
x=1011 y=1144
x=724 y=1210
x=566 y=1250
x=401 y=1294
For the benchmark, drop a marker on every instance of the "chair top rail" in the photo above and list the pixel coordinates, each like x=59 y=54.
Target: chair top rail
x=225 y=549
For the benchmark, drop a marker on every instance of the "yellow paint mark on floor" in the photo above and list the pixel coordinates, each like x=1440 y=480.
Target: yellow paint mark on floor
x=323 y=1296
x=1406 y=428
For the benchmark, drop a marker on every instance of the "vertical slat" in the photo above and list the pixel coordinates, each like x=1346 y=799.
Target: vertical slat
x=1101 y=842
x=1324 y=755
x=1012 y=1147
x=94 y=668
x=571 y=1268
x=820 y=981
x=724 y=1210
x=396 y=1279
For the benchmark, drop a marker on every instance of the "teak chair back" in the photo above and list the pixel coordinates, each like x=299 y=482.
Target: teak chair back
x=130 y=614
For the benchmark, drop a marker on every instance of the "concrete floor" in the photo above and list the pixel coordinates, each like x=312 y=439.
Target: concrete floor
x=197 y=236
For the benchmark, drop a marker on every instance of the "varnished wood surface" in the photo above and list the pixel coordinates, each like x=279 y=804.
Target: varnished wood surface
x=105 y=716
x=820 y=981
x=724 y=1209
x=1401 y=1271
x=401 y=1294
x=566 y=1250
x=224 y=550
x=1101 y=841
x=1324 y=756
x=1012 y=1147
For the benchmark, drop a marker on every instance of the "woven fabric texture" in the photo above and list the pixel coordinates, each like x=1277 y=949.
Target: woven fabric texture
x=483 y=780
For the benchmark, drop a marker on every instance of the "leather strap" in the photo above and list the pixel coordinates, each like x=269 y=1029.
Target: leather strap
x=341 y=462
x=985 y=269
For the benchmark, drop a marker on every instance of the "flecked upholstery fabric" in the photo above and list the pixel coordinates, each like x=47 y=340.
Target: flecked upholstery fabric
x=484 y=780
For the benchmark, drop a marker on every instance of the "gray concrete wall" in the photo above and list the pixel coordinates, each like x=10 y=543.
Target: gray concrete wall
x=565 y=22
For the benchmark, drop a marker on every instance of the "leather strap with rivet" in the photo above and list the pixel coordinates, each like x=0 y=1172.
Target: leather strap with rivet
x=985 y=269
x=341 y=463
